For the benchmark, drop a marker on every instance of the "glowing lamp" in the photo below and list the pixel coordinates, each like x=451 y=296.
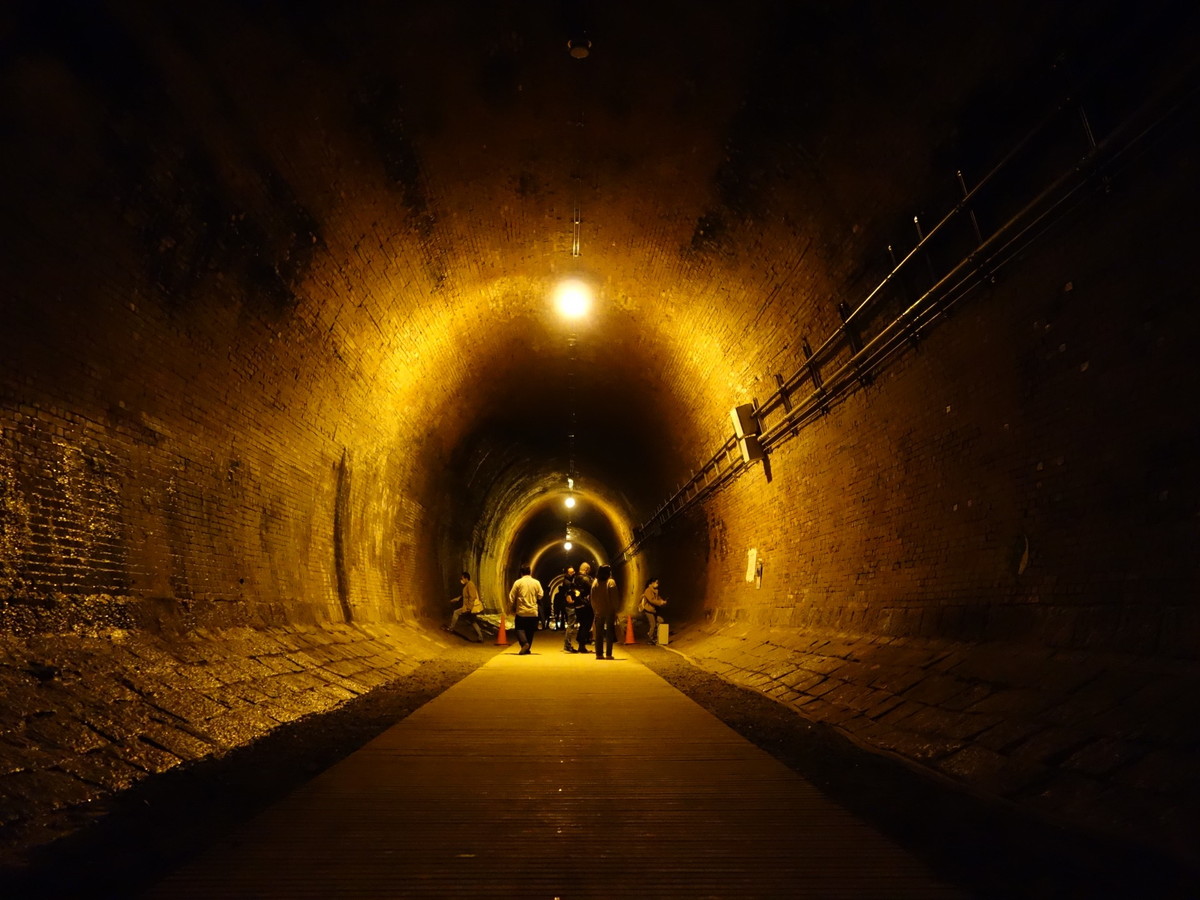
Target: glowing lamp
x=573 y=299
x=570 y=502
x=567 y=545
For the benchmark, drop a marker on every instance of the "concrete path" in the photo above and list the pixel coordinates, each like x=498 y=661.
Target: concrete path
x=556 y=776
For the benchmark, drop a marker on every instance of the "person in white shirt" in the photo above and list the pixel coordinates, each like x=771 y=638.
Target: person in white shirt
x=524 y=596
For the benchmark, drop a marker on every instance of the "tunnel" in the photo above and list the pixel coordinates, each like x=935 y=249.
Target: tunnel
x=879 y=363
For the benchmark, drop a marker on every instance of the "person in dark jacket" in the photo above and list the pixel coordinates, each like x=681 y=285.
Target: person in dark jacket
x=583 y=606
x=606 y=600
x=558 y=607
x=570 y=598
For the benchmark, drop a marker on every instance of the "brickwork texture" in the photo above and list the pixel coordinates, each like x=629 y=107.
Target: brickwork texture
x=278 y=361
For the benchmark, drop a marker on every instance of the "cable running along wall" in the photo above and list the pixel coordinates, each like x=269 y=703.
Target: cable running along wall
x=866 y=340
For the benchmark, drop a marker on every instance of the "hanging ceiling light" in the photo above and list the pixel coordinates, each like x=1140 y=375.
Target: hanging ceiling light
x=573 y=298
x=570 y=502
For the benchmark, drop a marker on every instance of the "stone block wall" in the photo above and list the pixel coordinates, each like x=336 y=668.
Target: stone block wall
x=983 y=561
x=88 y=715
x=1090 y=741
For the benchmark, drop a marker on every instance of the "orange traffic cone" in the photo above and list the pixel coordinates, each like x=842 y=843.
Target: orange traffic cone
x=629 y=638
x=502 y=634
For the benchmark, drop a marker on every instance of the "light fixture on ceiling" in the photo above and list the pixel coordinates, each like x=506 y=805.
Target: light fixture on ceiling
x=579 y=47
x=570 y=502
x=573 y=298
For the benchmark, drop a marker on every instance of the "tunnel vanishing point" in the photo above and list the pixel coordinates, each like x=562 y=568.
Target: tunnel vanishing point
x=280 y=357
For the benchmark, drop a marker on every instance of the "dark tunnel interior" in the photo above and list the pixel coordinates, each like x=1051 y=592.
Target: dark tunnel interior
x=281 y=357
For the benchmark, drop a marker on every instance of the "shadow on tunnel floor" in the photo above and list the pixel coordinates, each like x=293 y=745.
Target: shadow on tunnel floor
x=146 y=832
x=990 y=849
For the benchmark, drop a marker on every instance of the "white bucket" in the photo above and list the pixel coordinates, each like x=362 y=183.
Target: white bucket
x=663 y=633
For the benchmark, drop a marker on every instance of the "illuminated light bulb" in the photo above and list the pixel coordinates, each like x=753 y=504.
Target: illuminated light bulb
x=570 y=501
x=573 y=299
x=567 y=545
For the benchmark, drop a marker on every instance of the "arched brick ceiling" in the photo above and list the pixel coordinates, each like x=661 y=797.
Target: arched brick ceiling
x=366 y=206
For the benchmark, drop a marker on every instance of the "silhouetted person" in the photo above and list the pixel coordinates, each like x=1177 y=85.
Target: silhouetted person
x=583 y=606
x=571 y=598
x=558 y=608
x=524 y=596
x=544 y=612
x=470 y=607
x=606 y=600
x=650 y=604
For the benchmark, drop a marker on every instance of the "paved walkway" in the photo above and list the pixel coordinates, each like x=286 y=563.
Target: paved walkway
x=556 y=776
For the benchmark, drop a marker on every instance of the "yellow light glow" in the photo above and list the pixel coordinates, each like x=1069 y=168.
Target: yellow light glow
x=570 y=502
x=567 y=545
x=573 y=298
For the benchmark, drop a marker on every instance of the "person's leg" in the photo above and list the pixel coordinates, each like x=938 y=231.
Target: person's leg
x=652 y=628
x=526 y=628
x=570 y=632
x=605 y=630
x=454 y=619
x=474 y=622
x=586 y=619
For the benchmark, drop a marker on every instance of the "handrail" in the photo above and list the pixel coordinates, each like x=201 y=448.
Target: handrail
x=987 y=257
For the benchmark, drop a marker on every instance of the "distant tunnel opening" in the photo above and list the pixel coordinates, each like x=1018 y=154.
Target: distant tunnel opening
x=280 y=359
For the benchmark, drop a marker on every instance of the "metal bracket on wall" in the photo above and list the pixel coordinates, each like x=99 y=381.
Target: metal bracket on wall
x=848 y=357
x=814 y=373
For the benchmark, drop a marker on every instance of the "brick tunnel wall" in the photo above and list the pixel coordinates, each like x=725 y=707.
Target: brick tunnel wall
x=983 y=562
x=214 y=494
x=246 y=351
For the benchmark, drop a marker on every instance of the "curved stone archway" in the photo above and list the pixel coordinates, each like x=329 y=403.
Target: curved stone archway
x=279 y=360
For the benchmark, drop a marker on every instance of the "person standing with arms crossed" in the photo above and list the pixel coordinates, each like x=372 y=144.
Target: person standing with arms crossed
x=606 y=600
x=524 y=596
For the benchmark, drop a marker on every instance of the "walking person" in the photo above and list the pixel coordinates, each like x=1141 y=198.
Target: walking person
x=470 y=607
x=606 y=600
x=650 y=604
x=583 y=606
x=524 y=596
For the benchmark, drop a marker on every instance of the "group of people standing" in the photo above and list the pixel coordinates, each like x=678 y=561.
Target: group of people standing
x=584 y=609
x=585 y=606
